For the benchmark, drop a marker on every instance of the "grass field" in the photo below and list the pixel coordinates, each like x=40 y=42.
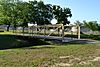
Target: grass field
x=55 y=55
x=51 y=56
x=6 y=33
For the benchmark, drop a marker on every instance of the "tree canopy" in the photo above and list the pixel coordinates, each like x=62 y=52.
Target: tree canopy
x=61 y=14
x=93 y=25
x=19 y=13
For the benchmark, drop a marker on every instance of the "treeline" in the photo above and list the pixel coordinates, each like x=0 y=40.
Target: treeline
x=92 y=25
x=19 y=13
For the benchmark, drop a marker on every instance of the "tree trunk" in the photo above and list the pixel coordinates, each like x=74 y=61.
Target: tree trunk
x=8 y=27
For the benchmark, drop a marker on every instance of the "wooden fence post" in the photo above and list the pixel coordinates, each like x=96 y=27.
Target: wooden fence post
x=44 y=30
x=62 y=32
x=78 y=32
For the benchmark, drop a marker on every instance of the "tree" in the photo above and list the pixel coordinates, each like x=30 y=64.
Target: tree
x=23 y=13
x=98 y=27
x=93 y=25
x=22 y=19
x=40 y=13
x=9 y=12
x=61 y=14
x=78 y=23
x=1 y=17
x=19 y=13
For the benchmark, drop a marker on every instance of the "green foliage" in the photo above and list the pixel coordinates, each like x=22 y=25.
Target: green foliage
x=93 y=25
x=9 y=12
x=62 y=14
x=78 y=23
x=18 y=13
x=39 y=13
x=23 y=11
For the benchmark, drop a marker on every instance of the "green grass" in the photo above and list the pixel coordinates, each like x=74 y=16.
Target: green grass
x=55 y=55
x=6 y=33
x=48 y=56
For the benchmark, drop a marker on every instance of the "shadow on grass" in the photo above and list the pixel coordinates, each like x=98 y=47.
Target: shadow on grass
x=11 y=41
x=82 y=42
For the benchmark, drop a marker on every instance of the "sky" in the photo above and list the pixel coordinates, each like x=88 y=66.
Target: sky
x=81 y=9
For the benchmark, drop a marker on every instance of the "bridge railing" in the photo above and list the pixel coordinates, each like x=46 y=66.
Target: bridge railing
x=50 y=30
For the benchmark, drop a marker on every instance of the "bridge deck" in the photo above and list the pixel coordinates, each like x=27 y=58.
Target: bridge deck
x=65 y=39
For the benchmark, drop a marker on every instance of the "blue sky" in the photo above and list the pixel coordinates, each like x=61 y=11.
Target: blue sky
x=81 y=9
